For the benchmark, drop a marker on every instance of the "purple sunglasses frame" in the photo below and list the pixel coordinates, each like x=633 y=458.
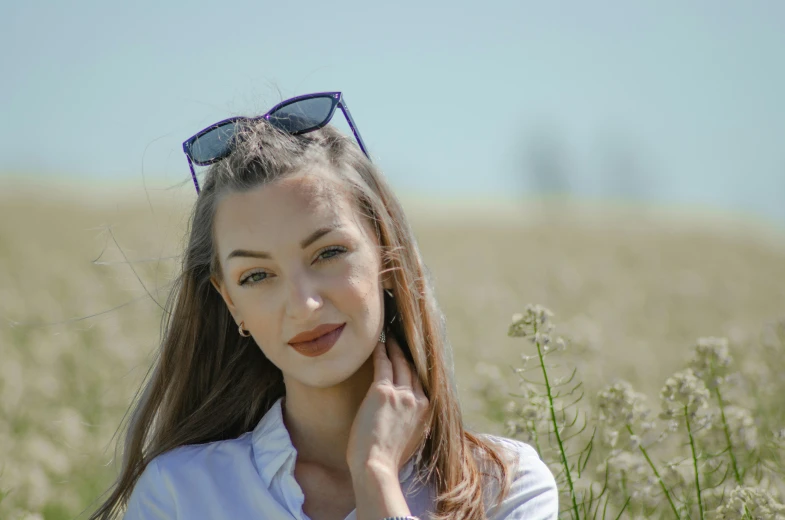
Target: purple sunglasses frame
x=338 y=101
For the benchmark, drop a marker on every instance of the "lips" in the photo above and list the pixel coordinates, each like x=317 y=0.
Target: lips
x=320 y=344
x=319 y=331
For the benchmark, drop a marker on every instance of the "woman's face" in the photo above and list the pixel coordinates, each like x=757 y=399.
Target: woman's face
x=300 y=284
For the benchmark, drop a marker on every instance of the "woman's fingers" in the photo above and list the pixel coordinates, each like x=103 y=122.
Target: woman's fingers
x=382 y=367
x=402 y=371
x=391 y=421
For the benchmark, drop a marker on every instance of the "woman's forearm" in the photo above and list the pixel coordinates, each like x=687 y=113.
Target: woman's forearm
x=377 y=493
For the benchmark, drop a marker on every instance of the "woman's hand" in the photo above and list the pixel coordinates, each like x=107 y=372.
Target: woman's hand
x=390 y=422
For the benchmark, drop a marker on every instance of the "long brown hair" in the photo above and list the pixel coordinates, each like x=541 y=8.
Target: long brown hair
x=209 y=383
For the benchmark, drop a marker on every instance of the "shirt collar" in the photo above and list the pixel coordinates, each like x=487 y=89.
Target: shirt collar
x=271 y=443
x=272 y=446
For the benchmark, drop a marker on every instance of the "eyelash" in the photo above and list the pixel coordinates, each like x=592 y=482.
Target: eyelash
x=337 y=249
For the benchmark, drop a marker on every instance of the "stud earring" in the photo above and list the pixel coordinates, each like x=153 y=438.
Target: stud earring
x=243 y=333
x=382 y=337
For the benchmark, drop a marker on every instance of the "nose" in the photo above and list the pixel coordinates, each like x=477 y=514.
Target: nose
x=302 y=297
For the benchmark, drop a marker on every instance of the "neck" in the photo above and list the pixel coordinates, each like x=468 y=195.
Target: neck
x=319 y=419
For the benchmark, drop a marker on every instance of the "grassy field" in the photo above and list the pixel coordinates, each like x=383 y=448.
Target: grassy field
x=631 y=292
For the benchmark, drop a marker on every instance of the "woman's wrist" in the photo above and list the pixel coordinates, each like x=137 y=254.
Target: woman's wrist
x=378 y=493
x=372 y=468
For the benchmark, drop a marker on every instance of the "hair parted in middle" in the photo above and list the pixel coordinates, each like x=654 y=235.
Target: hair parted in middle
x=211 y=384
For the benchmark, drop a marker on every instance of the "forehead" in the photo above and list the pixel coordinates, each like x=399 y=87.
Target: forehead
x=283 y=212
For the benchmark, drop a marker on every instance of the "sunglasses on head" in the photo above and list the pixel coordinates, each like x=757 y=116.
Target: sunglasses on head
x=297 y=115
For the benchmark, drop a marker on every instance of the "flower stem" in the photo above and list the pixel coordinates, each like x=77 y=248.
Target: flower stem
x=564 y=461
x=657 y=474
x=727 y=436
x=694 y=460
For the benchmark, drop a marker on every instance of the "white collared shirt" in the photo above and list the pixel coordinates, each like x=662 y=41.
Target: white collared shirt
x=252 y=476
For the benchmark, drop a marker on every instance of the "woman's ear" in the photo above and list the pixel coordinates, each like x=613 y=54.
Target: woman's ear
x=221 y=288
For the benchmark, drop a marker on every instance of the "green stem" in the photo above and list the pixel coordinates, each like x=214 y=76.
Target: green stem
x=727 y=436
x=624 y=485
x=657 y=474
x=556 y=427
x=694 y=461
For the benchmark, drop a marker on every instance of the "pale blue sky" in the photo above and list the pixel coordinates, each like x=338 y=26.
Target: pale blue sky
x=445 y=96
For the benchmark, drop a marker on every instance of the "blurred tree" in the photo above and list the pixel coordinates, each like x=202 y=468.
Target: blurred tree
x=545 y=170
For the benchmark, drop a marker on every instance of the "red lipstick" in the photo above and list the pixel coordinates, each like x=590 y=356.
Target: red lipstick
x=318 y=341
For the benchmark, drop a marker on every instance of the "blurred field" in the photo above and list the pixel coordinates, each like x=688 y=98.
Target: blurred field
x=633 y=291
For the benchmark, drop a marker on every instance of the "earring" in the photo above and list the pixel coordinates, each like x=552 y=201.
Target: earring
x=244 y=334
x=382 y=337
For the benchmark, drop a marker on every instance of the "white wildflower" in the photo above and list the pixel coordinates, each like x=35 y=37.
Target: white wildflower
x=683 y=391
x=542 y=339
x=610 y=437
x=747 y=502
x=535 y=318
x=529 y=414
x=534 y=410
x=710 y=361
x=620 y=407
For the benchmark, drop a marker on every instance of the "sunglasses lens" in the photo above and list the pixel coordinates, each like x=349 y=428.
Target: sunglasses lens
x=213 y=145
x=303 y=115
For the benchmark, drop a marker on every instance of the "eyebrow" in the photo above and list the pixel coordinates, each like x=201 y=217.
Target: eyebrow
x=307 y=241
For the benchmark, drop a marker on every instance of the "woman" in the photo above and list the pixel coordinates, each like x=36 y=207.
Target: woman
x=304 y=369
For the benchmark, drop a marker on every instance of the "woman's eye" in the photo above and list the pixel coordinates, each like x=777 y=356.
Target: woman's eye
x=337 y=250
x=328 y=254
x=253 y=278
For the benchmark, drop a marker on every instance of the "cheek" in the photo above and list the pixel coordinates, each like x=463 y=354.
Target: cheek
x=360 y=284
x=259 y=306
x=362 y=303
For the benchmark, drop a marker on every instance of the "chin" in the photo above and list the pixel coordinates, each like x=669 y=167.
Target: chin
x=329 y=372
